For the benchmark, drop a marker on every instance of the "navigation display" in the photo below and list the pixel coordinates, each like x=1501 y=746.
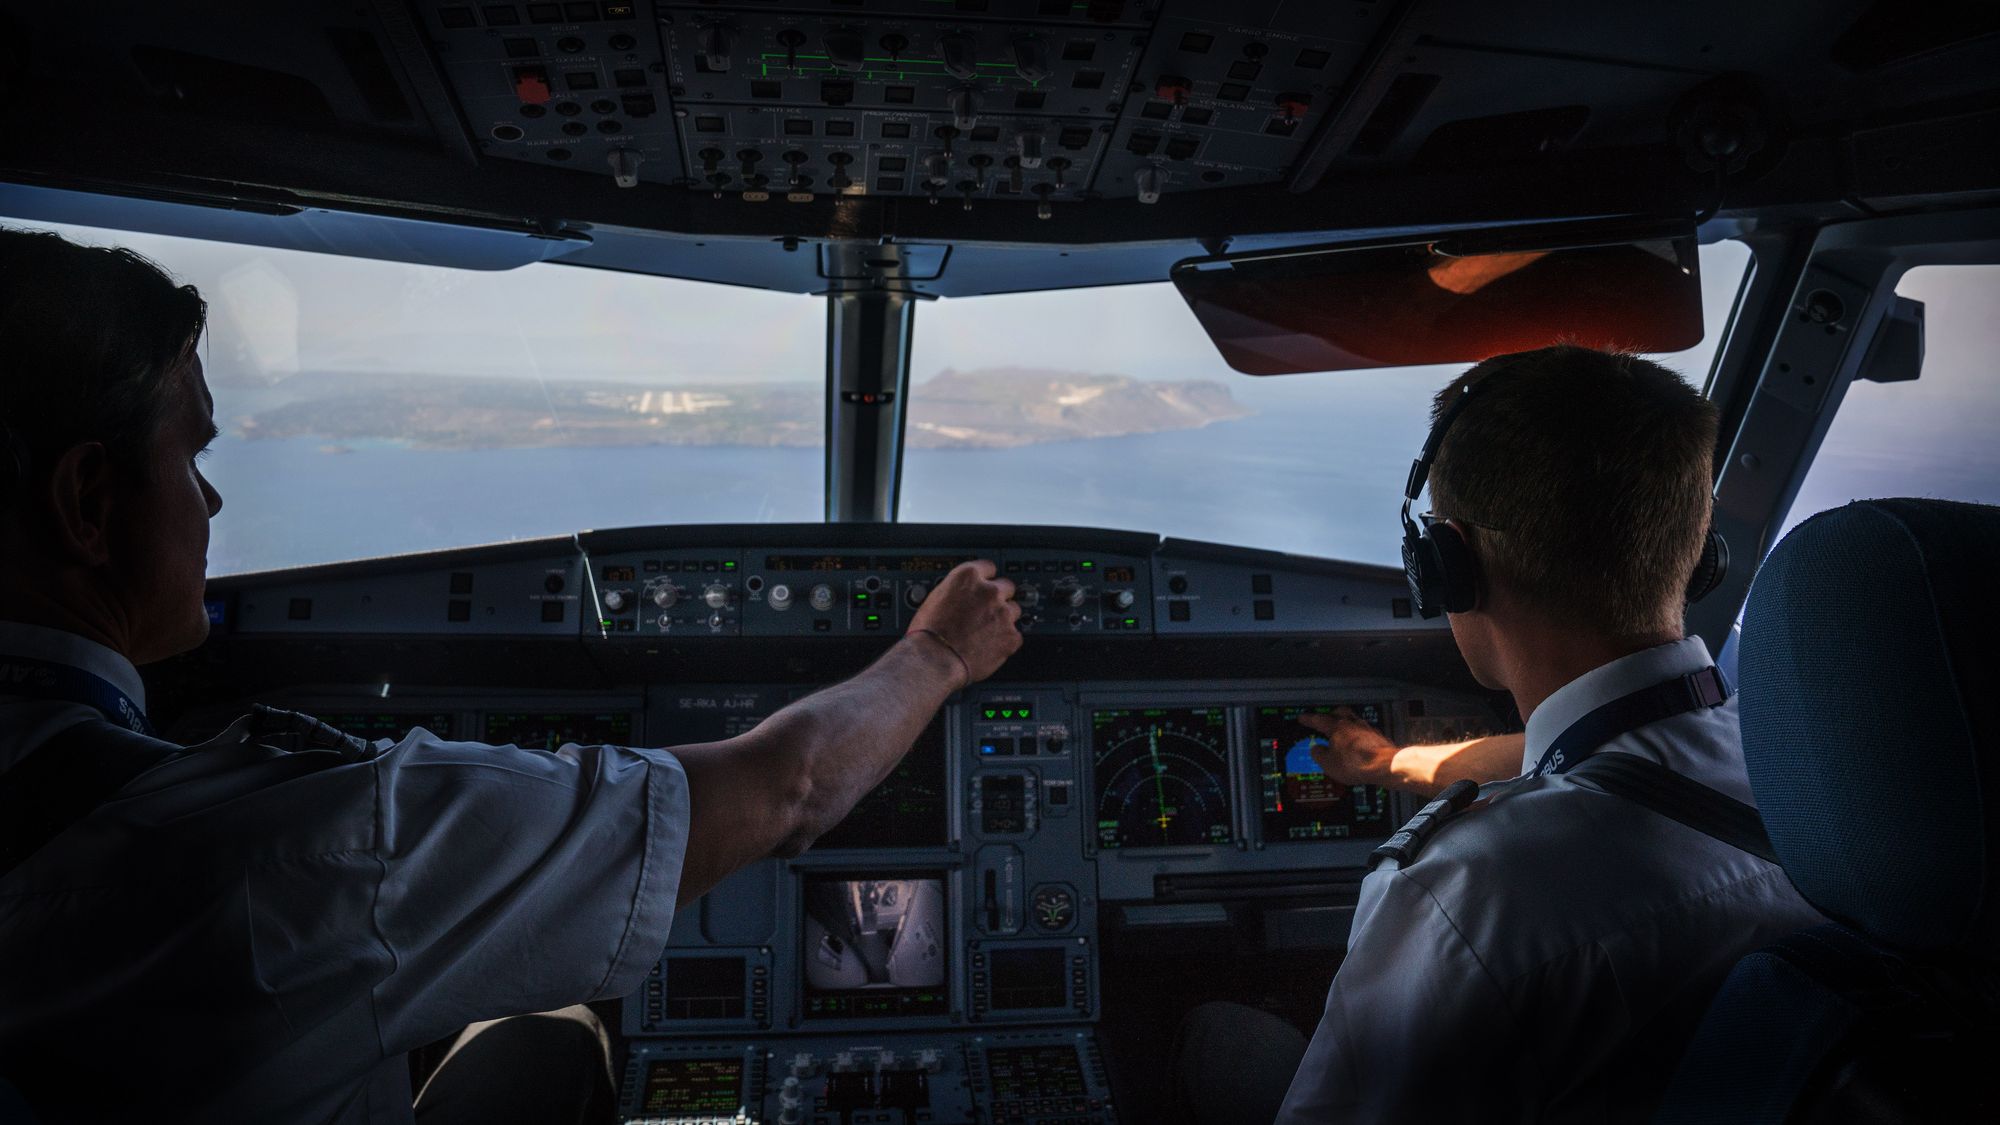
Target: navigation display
x=392 y=725
x=908 y=810
x=1299 y=801
x=875 y=947
x=1162 y=776
x=552 y=730
x=693 y=1087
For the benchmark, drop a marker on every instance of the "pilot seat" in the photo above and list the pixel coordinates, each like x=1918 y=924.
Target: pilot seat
x=1868 y=652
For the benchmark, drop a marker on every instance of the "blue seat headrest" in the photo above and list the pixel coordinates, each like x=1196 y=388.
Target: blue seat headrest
x=1869 y=656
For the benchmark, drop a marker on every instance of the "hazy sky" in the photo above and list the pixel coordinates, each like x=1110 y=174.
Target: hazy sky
x=278 y=312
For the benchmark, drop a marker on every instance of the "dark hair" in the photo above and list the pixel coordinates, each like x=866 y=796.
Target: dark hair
x=88 y=338
x=1586 y=478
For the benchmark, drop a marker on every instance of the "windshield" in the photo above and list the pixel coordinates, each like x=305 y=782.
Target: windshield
x=372 y=408
x=1936 y=437
x=1110 y=407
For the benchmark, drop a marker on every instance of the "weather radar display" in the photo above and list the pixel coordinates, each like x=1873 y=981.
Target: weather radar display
x=1162 y=776
x=1300 y=802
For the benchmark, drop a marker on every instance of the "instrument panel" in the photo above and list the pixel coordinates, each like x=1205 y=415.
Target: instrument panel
x=942 y=953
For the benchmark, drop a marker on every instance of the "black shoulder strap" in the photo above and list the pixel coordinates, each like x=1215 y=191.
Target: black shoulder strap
x=1646 y=782
x=63 y=779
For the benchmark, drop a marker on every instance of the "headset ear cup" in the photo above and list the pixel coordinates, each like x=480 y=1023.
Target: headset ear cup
x=1711 y=568
x=1456 y=567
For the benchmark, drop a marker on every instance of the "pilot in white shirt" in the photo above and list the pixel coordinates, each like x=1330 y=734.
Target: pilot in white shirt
x=1547 y=955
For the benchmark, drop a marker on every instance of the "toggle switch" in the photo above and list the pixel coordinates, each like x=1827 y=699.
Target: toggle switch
x=625 y=167
x=715 y=47
x=1028 y=146
x=844 y=50
x=1031 y=58
x=959 y=51
x=1148 y=181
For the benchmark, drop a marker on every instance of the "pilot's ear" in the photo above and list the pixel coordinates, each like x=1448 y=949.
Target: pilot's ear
x=1464 y=582
x=80 y=498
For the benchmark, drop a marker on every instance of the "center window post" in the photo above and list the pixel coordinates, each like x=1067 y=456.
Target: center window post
x=867 y=388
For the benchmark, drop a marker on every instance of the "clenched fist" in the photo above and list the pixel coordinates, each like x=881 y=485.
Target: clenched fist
x=972 y=612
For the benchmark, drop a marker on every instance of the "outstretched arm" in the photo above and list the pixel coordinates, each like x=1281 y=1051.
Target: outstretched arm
x=1358 y=754
x=776 y=788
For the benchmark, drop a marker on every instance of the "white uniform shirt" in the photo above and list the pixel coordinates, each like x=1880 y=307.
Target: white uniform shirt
x=1547 y=955
x=238 y=936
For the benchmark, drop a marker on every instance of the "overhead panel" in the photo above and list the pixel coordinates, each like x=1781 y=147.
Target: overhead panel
x=932 y=101
x=1229 y=95
x=1032 y=102
x=577 y=85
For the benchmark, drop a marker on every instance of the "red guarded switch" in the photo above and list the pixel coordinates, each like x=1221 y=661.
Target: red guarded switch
x=531 y=85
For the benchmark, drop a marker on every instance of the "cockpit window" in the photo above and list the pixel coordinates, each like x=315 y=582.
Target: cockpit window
x=1110 y=407
x=371 y=408
x=1936 y=437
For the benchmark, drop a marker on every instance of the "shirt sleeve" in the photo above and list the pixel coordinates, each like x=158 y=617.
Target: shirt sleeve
x=518 y=881
x=1415 y=1028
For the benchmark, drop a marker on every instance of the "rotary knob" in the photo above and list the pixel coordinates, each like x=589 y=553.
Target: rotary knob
x=821 y=597
x=715 y=596
x=1075 y=596
x=617 y=600
x=1120 y=599
x=915 y=593
x=666 y=596
x=779 y=596
x=1029 y=596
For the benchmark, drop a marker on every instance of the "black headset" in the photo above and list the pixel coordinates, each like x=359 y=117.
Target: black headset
x=1441 y=569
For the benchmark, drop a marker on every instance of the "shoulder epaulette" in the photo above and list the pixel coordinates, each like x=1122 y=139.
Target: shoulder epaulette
x=1410 y=839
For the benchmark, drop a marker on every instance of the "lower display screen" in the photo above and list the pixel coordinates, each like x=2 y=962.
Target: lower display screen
x=552 y=730
x=1162 y=776
x=907 y=810
x=1028 y=978
x=392 y=725
x=704 y=988
x=875 y=947
x=1299 y=801
x=704 y=1087
x=1034 y=1072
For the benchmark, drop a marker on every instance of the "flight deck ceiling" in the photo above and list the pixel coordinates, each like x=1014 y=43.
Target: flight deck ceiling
x=980 y=145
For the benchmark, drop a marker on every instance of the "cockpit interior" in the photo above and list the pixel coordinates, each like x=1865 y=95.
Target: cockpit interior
x=618 y=373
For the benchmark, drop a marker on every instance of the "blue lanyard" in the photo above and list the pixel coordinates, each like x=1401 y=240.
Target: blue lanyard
x=1696 y=691
x=43 y=679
